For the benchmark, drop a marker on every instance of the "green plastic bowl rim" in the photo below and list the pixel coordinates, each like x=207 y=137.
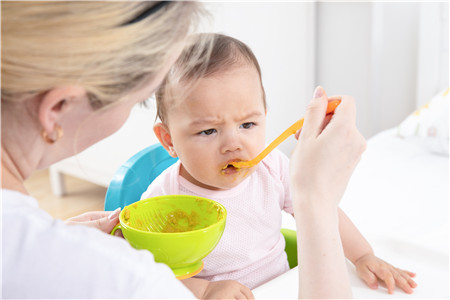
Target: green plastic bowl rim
x=174 y=233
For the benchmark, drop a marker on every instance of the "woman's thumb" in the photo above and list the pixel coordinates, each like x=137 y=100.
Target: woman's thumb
x=319 y=92
x=315 y=112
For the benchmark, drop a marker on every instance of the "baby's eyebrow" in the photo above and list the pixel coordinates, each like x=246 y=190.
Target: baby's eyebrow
x=202 y=121
x=216 y=121
x=252 y=114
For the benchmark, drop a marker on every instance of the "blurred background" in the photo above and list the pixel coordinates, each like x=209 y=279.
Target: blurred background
x=391 y=57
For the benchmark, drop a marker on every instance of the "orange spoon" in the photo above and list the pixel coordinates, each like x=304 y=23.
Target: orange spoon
x=291 y=130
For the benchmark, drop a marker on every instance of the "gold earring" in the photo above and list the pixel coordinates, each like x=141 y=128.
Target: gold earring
x=47 y=139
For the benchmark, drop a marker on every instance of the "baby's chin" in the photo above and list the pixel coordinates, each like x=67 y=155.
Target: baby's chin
x=227 y=179
x=233 y=179
x=230 y=185
x=222 y=184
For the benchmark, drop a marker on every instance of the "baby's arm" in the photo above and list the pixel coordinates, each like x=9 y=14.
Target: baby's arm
x=224 y=289
x=369 y=267
x=354 y=243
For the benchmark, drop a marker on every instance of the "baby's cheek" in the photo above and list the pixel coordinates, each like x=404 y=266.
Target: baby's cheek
x=201 y=170
x=260 y=143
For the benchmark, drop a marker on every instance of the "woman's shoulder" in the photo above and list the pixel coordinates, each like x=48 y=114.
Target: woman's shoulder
x=11 y=199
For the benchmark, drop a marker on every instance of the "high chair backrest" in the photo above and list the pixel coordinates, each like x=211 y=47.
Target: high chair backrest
x=135 y=175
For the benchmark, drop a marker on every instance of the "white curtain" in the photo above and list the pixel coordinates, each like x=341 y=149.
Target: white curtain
x=433 y=54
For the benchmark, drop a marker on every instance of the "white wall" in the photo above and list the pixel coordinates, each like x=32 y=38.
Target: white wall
x=384 y=54
x=344 y=51
x=371 y=51
x=433 y=54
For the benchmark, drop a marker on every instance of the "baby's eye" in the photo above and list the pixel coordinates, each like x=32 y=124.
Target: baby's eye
x=207 y=132
x=247 y=125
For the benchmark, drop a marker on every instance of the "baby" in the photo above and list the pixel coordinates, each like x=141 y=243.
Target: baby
x=212 y=115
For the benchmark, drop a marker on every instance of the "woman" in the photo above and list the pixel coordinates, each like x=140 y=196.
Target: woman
x=71 y=72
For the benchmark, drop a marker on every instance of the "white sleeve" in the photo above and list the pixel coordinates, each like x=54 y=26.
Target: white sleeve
x=45 y=258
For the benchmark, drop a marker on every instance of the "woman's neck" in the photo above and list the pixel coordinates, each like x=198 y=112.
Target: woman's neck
x=12 y=179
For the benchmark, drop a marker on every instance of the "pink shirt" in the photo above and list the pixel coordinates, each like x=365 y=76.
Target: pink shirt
x=251 y=249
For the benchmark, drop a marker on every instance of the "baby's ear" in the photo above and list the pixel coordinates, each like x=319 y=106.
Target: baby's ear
x=163 y=134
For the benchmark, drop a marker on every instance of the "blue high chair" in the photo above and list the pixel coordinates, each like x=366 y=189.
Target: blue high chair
x=135 y=175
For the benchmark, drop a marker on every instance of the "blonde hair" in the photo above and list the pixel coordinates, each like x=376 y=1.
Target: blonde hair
x=108 y=48
x=223 y=53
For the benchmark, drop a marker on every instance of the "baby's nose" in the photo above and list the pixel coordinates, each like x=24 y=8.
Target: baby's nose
x=232 y=142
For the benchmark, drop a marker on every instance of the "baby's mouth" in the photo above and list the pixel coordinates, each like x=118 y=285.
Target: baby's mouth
x=229 y=166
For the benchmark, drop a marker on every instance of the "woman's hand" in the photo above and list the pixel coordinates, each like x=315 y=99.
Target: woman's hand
x=321 y=165
x=103 y=220
x=371 y=268
x=327 y=152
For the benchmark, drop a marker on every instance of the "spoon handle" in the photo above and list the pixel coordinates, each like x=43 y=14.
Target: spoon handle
x=288 y=132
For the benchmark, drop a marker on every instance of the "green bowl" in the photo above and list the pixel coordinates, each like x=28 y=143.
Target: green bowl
x=179 y=230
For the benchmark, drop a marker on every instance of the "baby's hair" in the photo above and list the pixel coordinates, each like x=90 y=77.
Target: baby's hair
x=109 y=48
x=208 y=54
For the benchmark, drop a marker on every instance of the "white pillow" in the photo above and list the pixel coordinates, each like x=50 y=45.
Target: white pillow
x=429 y=124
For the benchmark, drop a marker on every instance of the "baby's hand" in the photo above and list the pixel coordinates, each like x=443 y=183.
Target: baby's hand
x=227 y=289
x=371 y=268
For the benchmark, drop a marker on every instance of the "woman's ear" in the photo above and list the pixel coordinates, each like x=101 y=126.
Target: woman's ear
x=163 y=134
x=55 y=103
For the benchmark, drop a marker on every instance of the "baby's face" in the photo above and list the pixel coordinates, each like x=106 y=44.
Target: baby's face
x=223 y=119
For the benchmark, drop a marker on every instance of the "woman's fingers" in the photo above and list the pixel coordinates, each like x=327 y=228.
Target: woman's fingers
x=88 y=216
x=327 y=154
x=317 y=119
x=105 y=224
x=297 y=134
x=326 y=120
x=315 y=114
x=345 y=113
x=103 y=220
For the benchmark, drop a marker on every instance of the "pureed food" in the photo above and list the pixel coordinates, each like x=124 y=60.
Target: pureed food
x=176 y=220
x=180 y=221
